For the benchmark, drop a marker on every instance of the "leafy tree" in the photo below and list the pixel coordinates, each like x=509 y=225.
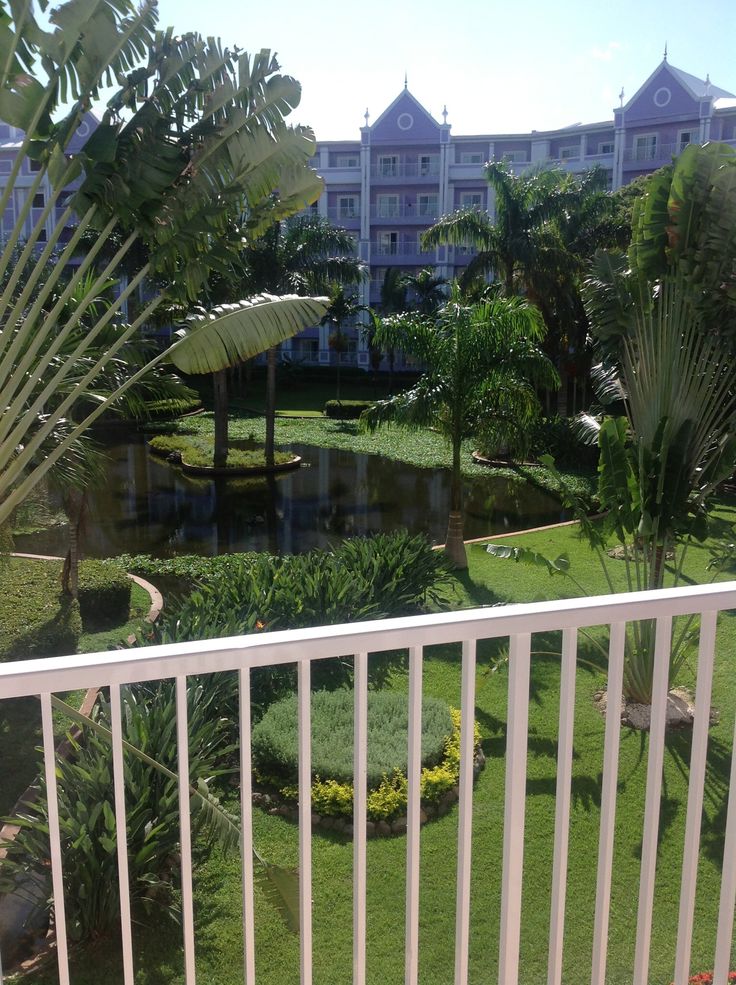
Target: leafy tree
x=482 y=364
x=305 y=255
x=343 y=308
x=427 y=290
x=663 y=317
x=195 y=135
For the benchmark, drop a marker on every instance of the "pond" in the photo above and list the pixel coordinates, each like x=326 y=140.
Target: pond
x=147 y=506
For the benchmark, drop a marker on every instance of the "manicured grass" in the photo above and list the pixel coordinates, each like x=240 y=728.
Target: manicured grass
x=423 y=449
x=306 y=396
x=217 y=878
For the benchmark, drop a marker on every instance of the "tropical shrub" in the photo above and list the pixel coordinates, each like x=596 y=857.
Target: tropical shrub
x=36 y=619
x=87 y=818
x=275 y=738
x=557 y=436
x=346 y=410
x=388 y=798
x=104 y=595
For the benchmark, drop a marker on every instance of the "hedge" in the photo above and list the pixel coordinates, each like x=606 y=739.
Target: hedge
x=36 y=619
x=104 y=595
x=346 y=410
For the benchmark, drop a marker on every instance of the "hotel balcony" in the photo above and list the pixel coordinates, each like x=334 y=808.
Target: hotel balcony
x=408 y=213
x=403 y=171
x=519 y=902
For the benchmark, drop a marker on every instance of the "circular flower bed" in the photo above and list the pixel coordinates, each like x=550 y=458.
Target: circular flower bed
x=275 y=757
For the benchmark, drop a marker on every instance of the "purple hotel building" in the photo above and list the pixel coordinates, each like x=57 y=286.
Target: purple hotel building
x=407 y=169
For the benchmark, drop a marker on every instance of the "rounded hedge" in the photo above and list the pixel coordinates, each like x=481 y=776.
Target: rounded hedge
x=104 y=595
x=276 y=744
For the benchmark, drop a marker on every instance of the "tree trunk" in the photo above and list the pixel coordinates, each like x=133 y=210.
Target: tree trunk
x=73 y=506
x=270 y=405
x=219 y=382
x=454 y=543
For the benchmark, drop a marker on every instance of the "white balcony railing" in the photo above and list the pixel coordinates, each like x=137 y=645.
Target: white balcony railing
x=516 y=623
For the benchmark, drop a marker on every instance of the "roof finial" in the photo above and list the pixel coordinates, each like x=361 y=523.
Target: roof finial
x=444 y=114
x=665 y=51
x=406 y=81
x=367 y=116
x=707 y=84
x=621 y=96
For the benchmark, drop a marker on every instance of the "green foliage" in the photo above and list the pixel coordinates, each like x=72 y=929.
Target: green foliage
x=200 y=451
x=387 y=797
x=276 y=747
x=104 y=595
x=36 y=619
x=345 y=410
x=87 y=818
x=556 y=436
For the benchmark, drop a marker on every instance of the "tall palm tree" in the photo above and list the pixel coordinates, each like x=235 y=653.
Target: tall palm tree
x=303 y=255
x=483 y=362
x=427 y=290
x=343 y=308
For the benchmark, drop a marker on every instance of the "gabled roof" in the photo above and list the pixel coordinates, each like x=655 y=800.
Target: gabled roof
x=411 y=103
x=695 y=87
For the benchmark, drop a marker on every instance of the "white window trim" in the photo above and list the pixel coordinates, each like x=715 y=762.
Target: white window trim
x=388 y=206
x=388 y=165
x=649 y=146
x=471 y=153
x=466 y=204
x=606 y=143
x=693 y=134
x=340 y=161
x=570 y=152
x=347 y=211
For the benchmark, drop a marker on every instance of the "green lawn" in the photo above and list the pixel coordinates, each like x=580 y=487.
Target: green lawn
x=217 y=886
x=424 y=449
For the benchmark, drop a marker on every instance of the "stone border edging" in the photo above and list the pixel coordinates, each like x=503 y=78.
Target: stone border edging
x=275 y=804
x=207 y=471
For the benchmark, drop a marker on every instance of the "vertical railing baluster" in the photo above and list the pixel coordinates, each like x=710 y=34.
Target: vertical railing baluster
x=562 y=806
x=728 y=882
x=360 y=797
x=655 y=763
x=614 y=688
x=57 y=876
x=696 y=787
x=121 y=832
x=305 y=822
x=465 y=813
x=514 y=807
x=185 y=826
x=246 y=826
x=414 y=770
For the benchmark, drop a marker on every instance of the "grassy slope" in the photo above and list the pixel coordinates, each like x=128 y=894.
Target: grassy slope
x=20 y=721
x=218 y=918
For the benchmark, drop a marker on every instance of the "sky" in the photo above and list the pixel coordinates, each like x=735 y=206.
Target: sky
x=499 y=67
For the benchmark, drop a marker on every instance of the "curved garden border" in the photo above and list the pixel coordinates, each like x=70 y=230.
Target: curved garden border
x=232 y=473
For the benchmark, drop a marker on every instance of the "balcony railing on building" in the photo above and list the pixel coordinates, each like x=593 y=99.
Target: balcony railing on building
x=367 y=641
x=401 y=169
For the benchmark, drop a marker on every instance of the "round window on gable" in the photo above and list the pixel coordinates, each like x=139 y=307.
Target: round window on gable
x=82 y=129
x=662 y=96
x=405 y=121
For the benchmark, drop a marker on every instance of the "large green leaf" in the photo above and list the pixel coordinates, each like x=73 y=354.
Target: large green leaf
x=232 y=333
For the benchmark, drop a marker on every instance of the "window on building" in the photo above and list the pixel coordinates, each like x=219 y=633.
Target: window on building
x=347 y=161
x=388 y=243
x=570 y=153
x=428 y=164
x=388 y=165
x=471 y=157
x=39 y=200
x=605 y=147
x=387 y=205
x=685 y=137
x=347 y=206
x=63 y=200
x=645 y=147
x=471 y=200
x=42 y=236
x=427 y=205
x=34 y=166
x=515 y=156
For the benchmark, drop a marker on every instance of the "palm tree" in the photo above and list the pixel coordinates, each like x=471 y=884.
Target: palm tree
x=343 y=308
x=393 y=302
x=195 y=135
x=427 y=290
x=482 y=364
x=304 y=255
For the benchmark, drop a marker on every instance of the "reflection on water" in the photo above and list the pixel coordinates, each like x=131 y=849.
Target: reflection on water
x=147 y=506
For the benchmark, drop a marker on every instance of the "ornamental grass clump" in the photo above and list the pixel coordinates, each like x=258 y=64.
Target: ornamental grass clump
x=276 y=741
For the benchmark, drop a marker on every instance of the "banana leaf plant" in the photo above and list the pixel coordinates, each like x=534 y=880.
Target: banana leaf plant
x=191 y=154
x=663 y=318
